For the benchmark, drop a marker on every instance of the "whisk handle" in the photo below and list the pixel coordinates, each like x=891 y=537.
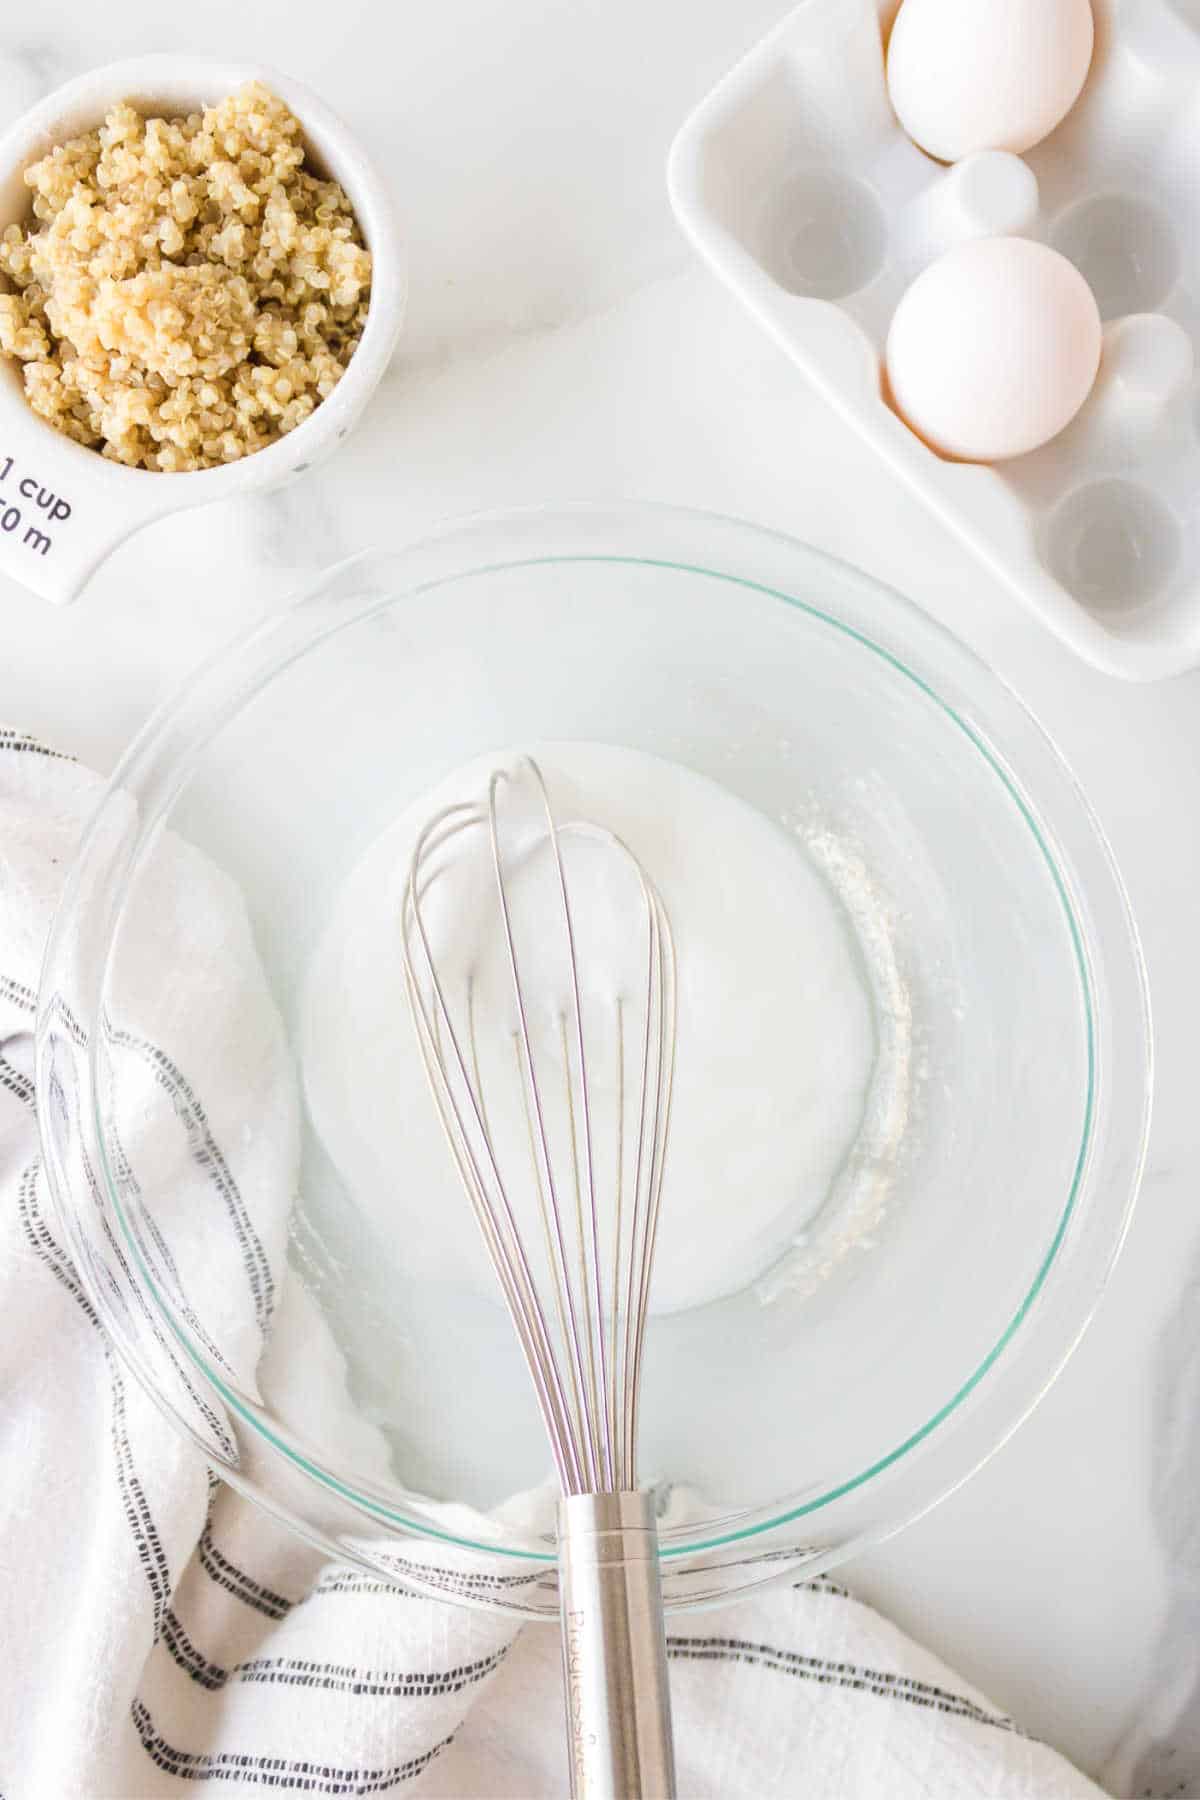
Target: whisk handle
x=614 y=1649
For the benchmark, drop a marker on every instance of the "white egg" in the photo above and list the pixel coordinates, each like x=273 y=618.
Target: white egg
x=994 y=349
x=968 y=75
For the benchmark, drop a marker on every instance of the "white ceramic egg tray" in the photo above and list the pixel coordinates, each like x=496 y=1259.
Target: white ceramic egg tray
x=797 y=185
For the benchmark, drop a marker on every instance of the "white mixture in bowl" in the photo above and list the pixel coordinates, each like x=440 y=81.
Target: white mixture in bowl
x=779 y=1045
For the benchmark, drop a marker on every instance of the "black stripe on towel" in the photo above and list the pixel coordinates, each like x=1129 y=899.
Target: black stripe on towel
x=297 y=1775
x=46 y=1249
x=16 y=1082
x=215 y=1420
x=821 y=1584
x=21 y=741
x=17 y=992
x=147 y=1542
x=120 y=1297
x=207 y=1154
x=180 y=1648
x=341 y=1678
x=464 y=1583
x=830 y=1674
x=347 y=1581
x=49 y=1252
x=218 y=1568
x=150 y=1552
x=204 y=1148
x=138 y=1215
x=336 y=1678
x=210 y=1158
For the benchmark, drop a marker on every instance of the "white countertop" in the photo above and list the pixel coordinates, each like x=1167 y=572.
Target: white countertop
x=562 y=345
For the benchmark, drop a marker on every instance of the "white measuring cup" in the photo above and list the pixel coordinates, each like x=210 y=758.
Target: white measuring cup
x=64 y=507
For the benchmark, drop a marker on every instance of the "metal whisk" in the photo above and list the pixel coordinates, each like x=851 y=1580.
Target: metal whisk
x=550 y=1054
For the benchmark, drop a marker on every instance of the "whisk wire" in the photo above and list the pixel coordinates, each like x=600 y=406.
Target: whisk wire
x=660 y=1132
x=580 y=1227
x=505 y=1247
x=595 y=1337
x=524 y=1320
x=584 y=1346
x=618 y=1209
x=587 y=1435
x=548 y=1240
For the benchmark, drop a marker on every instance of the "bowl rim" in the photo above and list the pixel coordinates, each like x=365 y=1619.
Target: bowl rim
x=158 y=764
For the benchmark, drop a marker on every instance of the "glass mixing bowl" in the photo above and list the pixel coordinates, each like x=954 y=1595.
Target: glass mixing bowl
x=943 y=1284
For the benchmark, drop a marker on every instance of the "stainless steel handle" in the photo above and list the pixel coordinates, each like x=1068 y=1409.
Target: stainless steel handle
x=614 y=1649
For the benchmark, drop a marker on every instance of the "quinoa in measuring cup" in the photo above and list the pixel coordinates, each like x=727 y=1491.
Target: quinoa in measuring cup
x=188 y=290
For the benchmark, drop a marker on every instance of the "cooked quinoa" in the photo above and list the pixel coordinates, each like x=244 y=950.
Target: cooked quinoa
x=186 y=291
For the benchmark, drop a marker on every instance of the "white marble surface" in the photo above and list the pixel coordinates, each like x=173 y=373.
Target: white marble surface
x=561 y=344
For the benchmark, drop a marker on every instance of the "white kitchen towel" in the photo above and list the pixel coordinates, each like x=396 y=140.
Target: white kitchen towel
x=162 y=1636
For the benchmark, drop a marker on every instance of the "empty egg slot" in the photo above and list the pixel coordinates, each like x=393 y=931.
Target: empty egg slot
x=823 y=234
x=1114 y=545
x=1116 y=496
x=1124 y=248
x=770 y=170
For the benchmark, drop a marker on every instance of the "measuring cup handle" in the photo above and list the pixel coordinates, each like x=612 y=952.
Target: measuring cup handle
x=63 y=507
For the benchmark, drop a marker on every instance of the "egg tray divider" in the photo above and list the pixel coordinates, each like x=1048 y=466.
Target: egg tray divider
x=797 y=185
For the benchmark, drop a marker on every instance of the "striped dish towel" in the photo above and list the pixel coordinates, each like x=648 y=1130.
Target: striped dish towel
x=161 y=1636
